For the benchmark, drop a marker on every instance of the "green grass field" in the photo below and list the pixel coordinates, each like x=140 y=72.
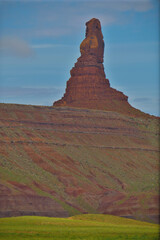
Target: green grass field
x=88 y=227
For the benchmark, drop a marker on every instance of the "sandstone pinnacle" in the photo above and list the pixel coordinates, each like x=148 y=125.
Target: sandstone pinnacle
x=88 y=86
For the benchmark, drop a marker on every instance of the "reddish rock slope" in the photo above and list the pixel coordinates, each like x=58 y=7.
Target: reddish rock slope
x=63 y=161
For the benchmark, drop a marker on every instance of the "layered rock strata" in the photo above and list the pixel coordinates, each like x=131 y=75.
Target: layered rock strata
x=88 y=86
x=65 y=161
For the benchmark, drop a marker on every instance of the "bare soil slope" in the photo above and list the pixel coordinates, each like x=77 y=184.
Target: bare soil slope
x=59 y=161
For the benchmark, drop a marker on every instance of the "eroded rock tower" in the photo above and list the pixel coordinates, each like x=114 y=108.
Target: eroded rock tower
x=88 y=86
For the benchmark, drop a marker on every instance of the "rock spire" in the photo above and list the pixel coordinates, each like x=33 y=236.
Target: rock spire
x=88 y=86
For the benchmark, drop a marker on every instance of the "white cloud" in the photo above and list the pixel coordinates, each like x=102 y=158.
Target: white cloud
x=15 y=47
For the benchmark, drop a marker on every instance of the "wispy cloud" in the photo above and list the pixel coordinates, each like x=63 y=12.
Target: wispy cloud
x=33 y=95
x=147 y=104
x=15 y=46
x=49 y=45
x=44 y=45
x=66 y=17
x=54 y=18
x=26 y=91
x=119 y=5
x=142 y=100
x=124 y=5
x=51 y=32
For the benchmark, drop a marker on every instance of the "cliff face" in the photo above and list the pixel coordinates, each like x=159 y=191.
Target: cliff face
x=88 y=86
x=64 y=161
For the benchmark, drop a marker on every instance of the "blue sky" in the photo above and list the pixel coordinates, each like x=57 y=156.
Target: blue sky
x=39 y=44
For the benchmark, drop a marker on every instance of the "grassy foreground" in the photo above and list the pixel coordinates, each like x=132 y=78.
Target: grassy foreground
x=88 y=227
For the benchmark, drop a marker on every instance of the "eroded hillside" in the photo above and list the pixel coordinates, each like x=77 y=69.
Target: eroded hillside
x=62 y=161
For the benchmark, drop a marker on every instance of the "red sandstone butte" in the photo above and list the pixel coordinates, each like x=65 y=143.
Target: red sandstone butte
x=88 y=86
